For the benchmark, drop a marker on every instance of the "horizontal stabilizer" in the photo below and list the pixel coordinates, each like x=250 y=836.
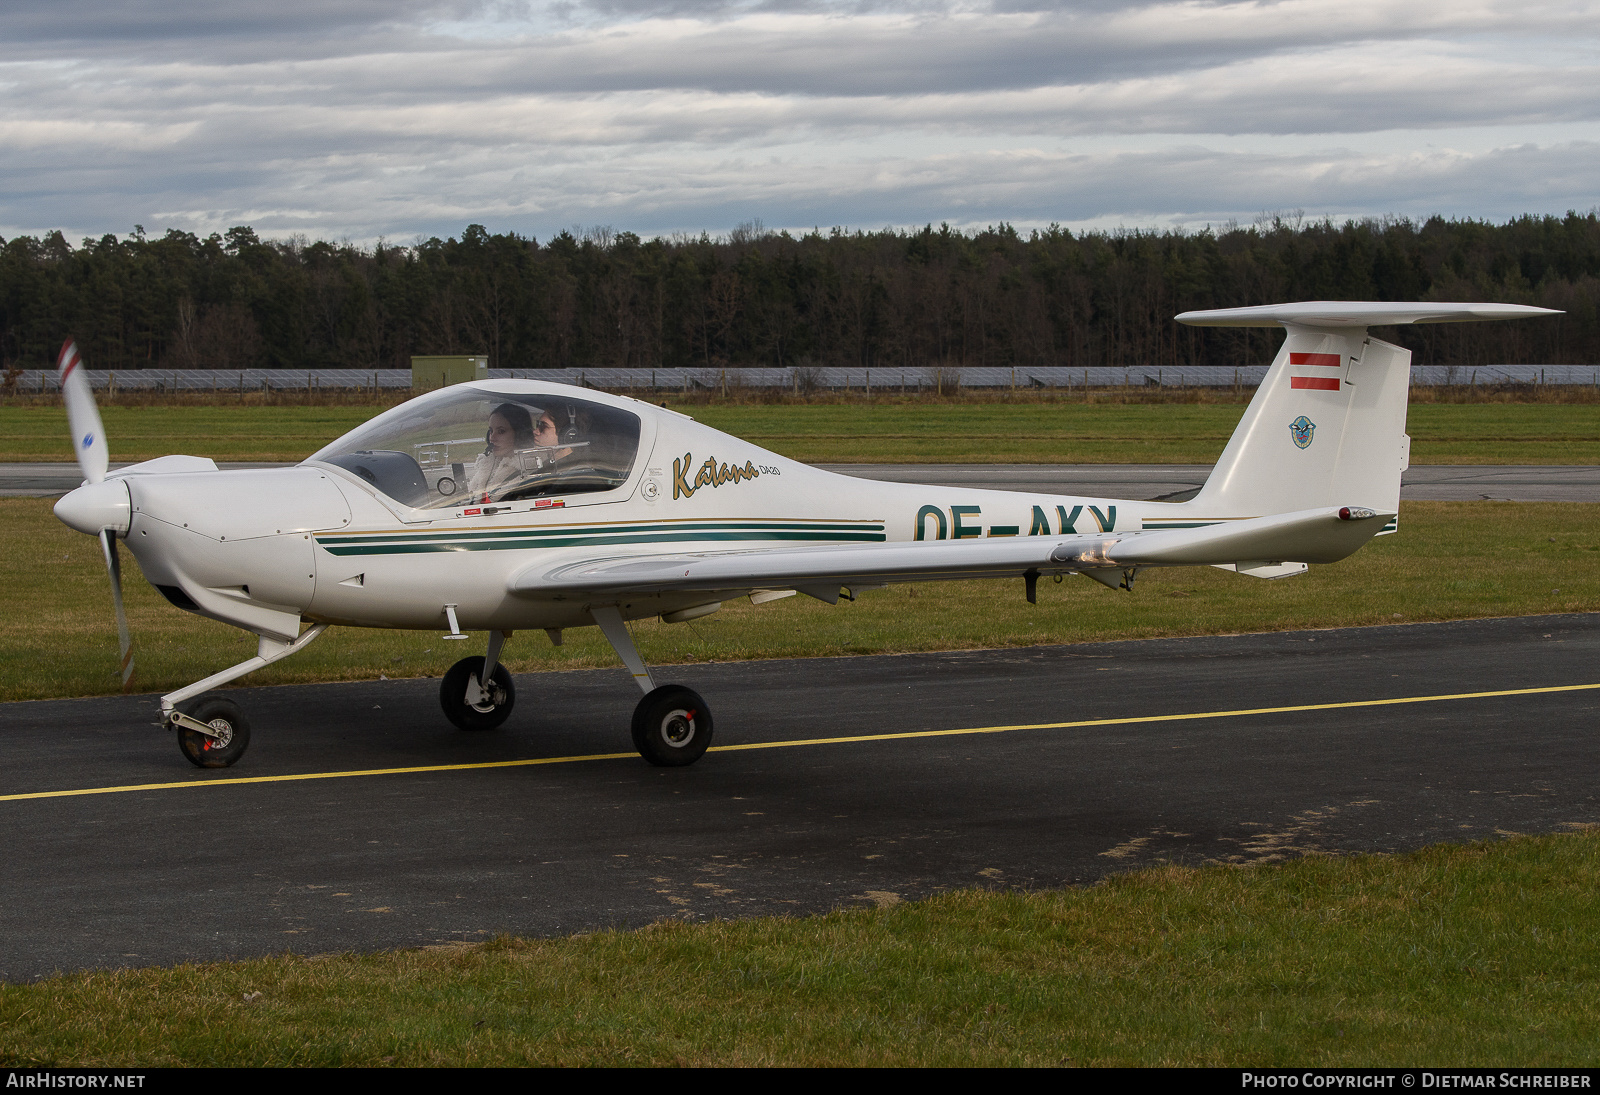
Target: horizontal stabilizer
x=1359 y=313
x=1309 y=536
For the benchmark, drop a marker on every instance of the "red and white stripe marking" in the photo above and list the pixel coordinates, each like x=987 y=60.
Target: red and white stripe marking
x=68 y=361
x=1316 y=381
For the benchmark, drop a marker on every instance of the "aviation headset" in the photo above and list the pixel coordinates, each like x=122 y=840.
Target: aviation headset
x=521 y=422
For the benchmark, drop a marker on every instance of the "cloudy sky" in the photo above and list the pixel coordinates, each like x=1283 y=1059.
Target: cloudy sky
x=362 y=119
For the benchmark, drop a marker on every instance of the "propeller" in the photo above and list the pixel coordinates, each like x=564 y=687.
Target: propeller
x=88 y=443
x=83 y=417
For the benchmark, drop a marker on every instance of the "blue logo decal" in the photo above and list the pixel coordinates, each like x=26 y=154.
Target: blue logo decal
x=1301 y=430
x=88 y=439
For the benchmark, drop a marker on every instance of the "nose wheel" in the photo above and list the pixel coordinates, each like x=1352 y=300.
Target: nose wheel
x=672 y=726
x=229 y=733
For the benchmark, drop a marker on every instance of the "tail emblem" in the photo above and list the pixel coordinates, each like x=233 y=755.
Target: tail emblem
x=1301 y=430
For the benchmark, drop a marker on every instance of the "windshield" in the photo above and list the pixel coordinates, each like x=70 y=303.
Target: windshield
x=468 y=446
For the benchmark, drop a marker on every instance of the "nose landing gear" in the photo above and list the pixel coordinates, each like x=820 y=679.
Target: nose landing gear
x=212 y=730
x=229 y=734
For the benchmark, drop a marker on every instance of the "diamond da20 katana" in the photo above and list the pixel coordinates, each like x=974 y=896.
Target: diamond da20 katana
x=514 y=505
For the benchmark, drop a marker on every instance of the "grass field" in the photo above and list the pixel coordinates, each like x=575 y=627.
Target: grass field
x=868 y=432
x=1468 y=955
x=1451 y=560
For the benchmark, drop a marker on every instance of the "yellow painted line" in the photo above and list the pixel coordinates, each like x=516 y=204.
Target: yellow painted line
x=1128 y=720
x=316 y=775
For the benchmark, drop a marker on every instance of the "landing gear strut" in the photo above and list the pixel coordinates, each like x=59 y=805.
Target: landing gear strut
x=672 y=724
x=212 y=730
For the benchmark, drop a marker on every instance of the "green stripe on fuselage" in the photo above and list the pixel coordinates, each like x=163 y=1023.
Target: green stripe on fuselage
x=424 y=543
x=574 y=530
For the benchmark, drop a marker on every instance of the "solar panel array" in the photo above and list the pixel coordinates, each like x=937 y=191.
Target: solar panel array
x=799 y=380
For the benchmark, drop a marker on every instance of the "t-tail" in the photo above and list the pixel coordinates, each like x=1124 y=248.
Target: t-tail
x=1327 y=427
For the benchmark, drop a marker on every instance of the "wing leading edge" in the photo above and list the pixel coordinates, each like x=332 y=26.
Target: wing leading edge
x=1311 y=536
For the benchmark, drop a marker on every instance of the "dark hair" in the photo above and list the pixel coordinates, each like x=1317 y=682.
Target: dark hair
x=518 y=418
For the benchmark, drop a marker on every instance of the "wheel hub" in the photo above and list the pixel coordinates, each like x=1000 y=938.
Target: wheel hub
x=224 y=734
x=678 y=728
x=493 y=697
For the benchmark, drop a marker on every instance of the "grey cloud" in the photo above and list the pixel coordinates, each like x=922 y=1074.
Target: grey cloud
x=240 y=113
x=825 y=50
x=390 y=194
x=129 y=22
x=364 y=119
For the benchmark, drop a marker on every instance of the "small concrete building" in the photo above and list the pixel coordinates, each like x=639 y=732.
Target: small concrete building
x=441 y=370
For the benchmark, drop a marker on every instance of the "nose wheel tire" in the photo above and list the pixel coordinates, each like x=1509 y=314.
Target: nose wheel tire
x=672 y=726
x=227 y=719
x=491 y=710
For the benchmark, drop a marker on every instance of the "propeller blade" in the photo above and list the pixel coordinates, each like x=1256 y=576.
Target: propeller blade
x=108 y=544
x=83 y=418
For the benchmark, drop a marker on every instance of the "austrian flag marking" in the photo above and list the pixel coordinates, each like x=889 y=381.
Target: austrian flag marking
x=1315 y=381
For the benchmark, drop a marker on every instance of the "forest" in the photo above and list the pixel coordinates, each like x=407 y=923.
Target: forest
x=927 y=298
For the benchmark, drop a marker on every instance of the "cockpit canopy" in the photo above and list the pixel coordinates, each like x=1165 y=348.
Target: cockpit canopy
x=465 y=446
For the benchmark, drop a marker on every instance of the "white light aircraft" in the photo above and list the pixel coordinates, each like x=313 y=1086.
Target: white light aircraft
x=510 y=505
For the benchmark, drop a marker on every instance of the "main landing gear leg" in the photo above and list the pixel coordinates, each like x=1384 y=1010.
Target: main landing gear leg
x=212 y=730
x=672 y=724
x=477 y=693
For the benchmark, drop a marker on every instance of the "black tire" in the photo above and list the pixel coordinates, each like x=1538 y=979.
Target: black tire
x=453 y=693
x=672 y=726
x=224 y=716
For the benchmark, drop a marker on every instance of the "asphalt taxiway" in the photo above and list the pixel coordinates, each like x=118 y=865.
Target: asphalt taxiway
x=1170 y=482
x=359 y=820
x=1177 y=482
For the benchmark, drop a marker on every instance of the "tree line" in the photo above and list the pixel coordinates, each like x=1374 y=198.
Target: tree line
x=921 y=299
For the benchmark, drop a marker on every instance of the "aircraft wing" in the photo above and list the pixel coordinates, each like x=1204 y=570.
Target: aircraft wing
x=1316 y=536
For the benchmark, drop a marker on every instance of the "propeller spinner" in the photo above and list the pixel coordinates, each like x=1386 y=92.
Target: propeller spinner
x=98 y=508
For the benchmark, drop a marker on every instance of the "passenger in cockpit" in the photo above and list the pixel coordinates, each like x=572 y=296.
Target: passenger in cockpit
x=510 y=429
x=545 y=433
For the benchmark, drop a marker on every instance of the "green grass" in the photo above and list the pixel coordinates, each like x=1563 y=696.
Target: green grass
x=1116 y=433
x=142 y=432
x=865 y=432
x=1451 y=560
x=1469 y=955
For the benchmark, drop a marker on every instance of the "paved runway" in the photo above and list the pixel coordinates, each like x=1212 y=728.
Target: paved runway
x=52 y=480
x=1173 y=482
x=812 y=801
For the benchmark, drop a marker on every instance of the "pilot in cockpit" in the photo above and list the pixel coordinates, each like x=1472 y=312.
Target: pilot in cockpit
x=517 y=448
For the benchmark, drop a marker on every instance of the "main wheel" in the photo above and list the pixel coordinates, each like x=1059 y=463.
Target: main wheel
x=491 y=710
x=672 y=726
x=225 y=717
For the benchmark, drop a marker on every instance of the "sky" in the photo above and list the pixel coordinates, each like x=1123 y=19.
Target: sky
x=363 y=120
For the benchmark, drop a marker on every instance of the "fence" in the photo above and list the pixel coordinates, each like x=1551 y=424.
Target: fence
x=800 y=380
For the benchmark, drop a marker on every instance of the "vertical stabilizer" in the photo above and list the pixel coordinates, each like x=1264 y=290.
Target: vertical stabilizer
x=1327 y=427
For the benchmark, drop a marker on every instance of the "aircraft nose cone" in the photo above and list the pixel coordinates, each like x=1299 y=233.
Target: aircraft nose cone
x=96 y=506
